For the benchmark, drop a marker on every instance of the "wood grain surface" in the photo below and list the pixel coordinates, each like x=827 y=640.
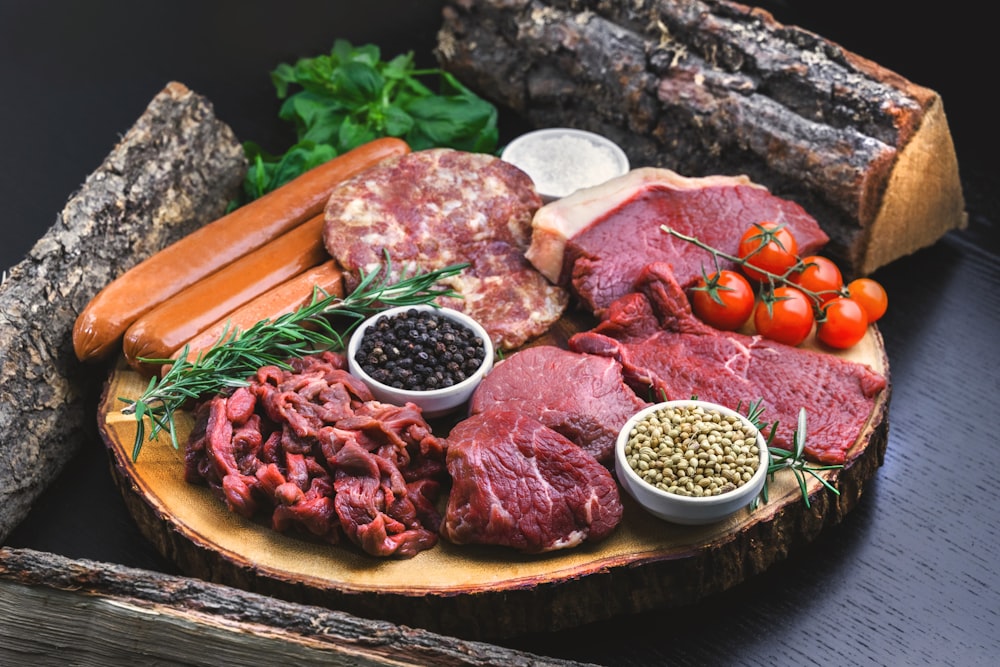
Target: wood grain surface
x=908 y=578
x=482 y=592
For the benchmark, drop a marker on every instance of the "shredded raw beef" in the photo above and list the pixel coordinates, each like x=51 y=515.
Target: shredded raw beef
x=663 y=346
x=582 y=396
x=313 y=448
x=518 y=483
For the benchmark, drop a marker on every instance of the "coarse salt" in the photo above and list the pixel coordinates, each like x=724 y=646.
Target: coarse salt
x=562 y=164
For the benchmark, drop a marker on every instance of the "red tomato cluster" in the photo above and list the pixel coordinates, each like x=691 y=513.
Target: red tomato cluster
x=795 y=293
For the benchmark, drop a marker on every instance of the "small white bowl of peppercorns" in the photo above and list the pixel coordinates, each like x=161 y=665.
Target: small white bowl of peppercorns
x=691 y=462
x=433 y=357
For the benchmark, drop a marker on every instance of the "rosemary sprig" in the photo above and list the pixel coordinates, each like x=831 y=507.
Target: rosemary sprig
x=793 y=460
x=238 y=354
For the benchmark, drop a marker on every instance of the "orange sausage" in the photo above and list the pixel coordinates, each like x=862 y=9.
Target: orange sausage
x=156 y=334
x=103 y=321
x=285 y=298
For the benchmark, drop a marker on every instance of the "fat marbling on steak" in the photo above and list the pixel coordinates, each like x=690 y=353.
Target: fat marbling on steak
x=437 y=207
x=517 y=483
x=663 y=346
x=582 y=396
x=597 y=240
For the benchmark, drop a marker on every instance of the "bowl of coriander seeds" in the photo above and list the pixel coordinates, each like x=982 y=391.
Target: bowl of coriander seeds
x=691 y=462
x=430 y=356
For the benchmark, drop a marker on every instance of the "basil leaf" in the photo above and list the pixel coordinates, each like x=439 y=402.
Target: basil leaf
x=350 y=96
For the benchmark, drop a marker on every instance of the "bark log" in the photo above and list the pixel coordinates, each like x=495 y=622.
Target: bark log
x=110 y=614
x=173 y=171
x=714 y=87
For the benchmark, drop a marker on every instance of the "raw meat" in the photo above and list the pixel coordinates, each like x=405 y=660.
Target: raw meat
x=433 y=208
x=597 y=240
x=663 y=346
x=582 y=396
x=519 y=484
x=310 y=446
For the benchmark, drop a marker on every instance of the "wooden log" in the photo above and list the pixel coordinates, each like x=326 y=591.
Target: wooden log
x=715 y=87
x=174 y=170
x=110 y=614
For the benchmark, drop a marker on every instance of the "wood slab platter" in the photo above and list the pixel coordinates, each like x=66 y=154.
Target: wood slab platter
x=481 y=592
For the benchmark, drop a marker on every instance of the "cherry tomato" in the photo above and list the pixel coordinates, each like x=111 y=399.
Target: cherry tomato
x=871 y=295
x=768 y=247
x=820 y=276
x=789 y=319
x=725 y=301
x=843 y=323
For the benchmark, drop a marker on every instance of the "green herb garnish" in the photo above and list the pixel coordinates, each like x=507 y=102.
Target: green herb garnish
x=780 y=459
x=237 y=355
x=340 y=101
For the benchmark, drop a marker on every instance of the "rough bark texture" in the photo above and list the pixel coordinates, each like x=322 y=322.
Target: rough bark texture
x=714 y=87
x=173 y=171
x=110 y=614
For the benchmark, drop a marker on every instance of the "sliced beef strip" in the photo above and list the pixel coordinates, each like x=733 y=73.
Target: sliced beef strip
x=597 y=240
x=437 y=207
x=582 y=396
x=519 y=484
x=663 y=346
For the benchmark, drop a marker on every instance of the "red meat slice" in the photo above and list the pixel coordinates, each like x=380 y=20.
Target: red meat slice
x=519 y=484
x=663 y=346
x=598 y=240
x=582 y=396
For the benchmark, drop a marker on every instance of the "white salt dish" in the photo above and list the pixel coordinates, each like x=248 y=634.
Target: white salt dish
x=562 y=160
x=433 y=402
x=688 y=510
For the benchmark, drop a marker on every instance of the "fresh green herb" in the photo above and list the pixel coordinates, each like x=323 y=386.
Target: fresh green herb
x=780 y=459
x=340 y=101
x=237 y=355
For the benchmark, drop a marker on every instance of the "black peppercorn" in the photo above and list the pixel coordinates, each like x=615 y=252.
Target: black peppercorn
x=419 y=350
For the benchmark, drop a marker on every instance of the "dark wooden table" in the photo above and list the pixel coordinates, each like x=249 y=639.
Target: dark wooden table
x=911 y=577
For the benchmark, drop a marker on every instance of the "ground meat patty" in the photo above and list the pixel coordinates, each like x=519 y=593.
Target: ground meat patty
x=436 y=207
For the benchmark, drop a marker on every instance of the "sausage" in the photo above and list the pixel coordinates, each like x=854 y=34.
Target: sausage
x=160 y=331
x=285 y=298
x=103 y=321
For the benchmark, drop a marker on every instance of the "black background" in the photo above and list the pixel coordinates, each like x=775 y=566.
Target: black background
x=909 y=578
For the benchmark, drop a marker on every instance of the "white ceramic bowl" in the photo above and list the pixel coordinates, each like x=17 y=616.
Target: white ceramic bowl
x=561 y=160
x=689 y=510
x=435 y=402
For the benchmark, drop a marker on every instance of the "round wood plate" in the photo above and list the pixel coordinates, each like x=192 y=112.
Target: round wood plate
x=480 y=592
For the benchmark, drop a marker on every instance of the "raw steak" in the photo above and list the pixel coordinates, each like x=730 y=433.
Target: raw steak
x=582 y=396
x=518 y=483
x=597 y=240
x=437 y=207
x=662 y=345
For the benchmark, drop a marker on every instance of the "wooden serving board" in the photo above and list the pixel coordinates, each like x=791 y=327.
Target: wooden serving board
x=480 y=592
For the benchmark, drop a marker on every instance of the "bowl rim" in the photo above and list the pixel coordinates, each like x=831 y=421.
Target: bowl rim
x=593 y=137
x=744 y=489
x=425 y=394
x=509 y=154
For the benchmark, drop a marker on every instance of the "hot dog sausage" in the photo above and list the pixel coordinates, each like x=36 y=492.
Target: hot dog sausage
x=166 y=327
x=285 y=298
x=103 y=321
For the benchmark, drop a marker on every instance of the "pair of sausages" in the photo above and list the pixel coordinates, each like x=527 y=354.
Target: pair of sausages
x=163 y=302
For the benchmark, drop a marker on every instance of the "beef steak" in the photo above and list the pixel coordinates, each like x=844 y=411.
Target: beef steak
x=582 y=396
x=437 y=207
x=597 y=240
x=517 y=483
x=663 y=346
